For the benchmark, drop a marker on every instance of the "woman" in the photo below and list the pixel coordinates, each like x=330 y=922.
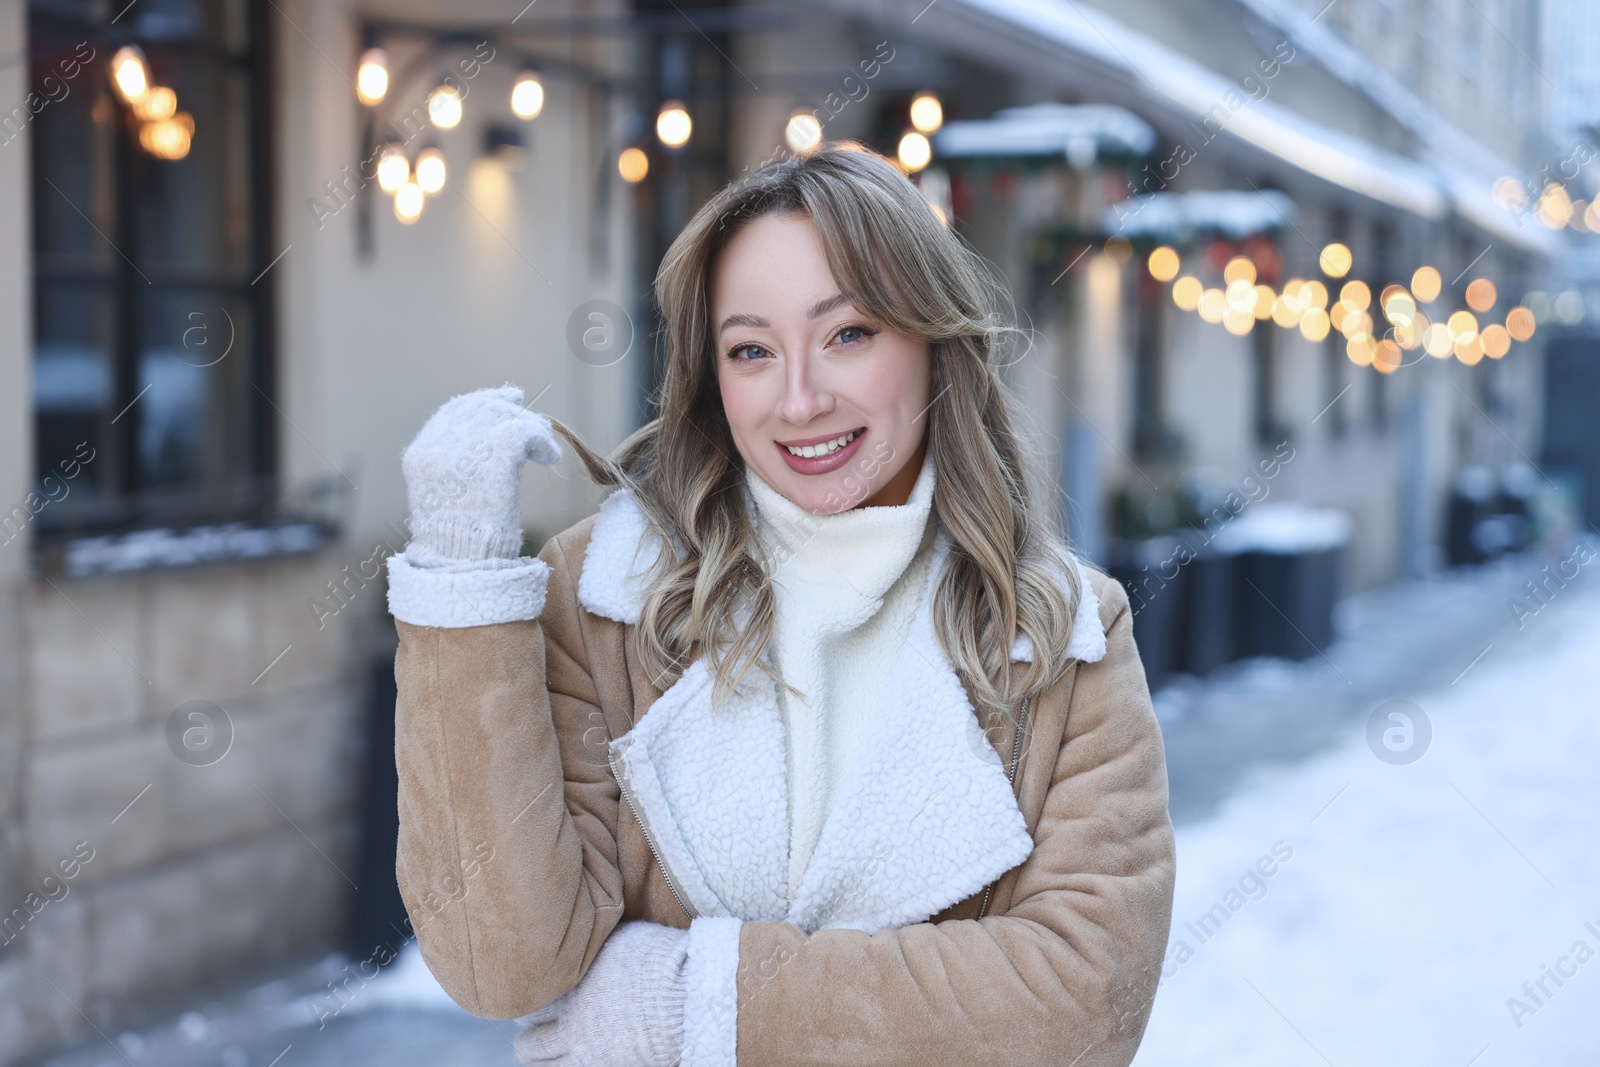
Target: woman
x=717 y=777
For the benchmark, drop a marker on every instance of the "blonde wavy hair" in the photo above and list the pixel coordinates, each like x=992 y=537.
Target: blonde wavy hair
x=897 y=264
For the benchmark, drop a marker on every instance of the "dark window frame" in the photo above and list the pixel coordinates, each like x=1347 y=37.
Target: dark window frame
x=247 y=494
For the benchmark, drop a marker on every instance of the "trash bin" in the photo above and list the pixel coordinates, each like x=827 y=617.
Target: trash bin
x=1288 y=564
x=1472 y=502
x=1206 y=623
x=1143 y=567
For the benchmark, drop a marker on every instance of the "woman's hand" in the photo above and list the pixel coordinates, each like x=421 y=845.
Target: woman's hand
x=461 y=474
x=627 y=1011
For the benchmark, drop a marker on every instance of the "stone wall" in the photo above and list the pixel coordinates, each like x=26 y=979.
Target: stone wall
x=165 y=860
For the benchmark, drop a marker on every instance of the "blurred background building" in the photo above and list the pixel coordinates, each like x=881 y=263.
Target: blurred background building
x=1339 y=255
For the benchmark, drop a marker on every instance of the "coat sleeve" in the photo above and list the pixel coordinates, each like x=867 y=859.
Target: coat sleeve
x=507 y=854
x=1066 y=976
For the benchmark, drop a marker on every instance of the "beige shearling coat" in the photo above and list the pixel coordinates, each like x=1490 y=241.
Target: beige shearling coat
x=960 y=908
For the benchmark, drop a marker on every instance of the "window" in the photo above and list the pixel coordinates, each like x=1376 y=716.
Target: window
x=152 y=242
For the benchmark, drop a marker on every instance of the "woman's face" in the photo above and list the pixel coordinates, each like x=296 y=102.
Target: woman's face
x=798 y=365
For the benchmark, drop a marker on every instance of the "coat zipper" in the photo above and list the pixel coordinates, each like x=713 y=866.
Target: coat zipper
x=611 y=761
x=1011 y=775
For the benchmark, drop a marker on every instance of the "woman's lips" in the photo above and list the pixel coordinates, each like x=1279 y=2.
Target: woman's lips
x=821 y=464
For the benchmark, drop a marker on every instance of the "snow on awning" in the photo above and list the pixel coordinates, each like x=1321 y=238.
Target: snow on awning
x=1227 y=211
x=1429 y=189
x=1079 y=133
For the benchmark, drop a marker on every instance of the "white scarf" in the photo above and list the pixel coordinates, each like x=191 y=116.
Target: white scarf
x=847 y=587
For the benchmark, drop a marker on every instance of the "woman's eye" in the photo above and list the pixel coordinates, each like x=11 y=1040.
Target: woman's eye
x=860 y=333
x=734 y=354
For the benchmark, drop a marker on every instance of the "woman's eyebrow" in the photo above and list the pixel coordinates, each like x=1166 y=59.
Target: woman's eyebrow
x=821 y=307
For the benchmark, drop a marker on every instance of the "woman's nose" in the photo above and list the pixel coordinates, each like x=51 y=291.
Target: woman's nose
x=806 y=394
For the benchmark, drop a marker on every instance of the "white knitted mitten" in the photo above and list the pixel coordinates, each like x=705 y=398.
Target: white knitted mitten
x=626 y=1011
x=462 y=471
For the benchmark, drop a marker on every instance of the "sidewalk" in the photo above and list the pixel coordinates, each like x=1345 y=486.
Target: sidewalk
x=1349 y=908
x=1236 y=741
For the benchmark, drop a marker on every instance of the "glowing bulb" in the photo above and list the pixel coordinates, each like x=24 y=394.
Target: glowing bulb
x=1314 y=325
x=1265 y=298
x=168 y=138
x=673 y=125
x=393 y=170
x=915 y=151
x=1213 y=305
x=372 y=76
x=1426 y=284
x=527 y=95
x=1241 y=295
x=1519 y=323
x=1238 y=323
x=1336 y=260
x=1387 y=357
x=157 y=103
x=1356 y=294
x=444 y=111
x=129 y=73
x=1186 y=292
x=1164 y=264
x=1239 y=269
x=633 y=165
x=430 y=170
x=408 y=202
x=1436 y=340
x=802 y=132
x=1496 y=341
x=927 y=114
x=1463 y=326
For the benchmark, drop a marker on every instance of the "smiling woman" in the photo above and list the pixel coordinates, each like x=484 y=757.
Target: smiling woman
x=807 y=382
x=833 y=863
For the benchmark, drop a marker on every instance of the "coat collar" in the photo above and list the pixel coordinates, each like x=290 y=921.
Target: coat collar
x=928 y=818
x=623 y=547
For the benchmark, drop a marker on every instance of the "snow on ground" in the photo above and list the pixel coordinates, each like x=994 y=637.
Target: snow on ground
x=1415 y=900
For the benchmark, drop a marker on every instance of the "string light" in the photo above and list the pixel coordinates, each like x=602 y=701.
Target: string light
x=393 y=169
x=803 y=131
x=130 y=74
x=914 y=151
x=927 y=114
x=527 y=95
x=158 y=102
x=673 y=125
x=430 y=170
x=1336 y=260
x=444 y=108
x=1164 y=264
x=372 y=76
x=633 y=165
x=408 y=202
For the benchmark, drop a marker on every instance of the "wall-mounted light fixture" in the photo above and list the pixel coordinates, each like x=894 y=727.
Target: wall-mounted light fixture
x=503 y=144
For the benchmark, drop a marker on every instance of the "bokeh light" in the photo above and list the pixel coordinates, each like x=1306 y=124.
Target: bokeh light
x=1336 y=260
x=1164 y=264
x=1186 y=292
x=1426 y=284
x=1481 y=294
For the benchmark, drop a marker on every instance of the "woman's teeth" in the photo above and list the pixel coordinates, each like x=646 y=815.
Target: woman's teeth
x=813 y=451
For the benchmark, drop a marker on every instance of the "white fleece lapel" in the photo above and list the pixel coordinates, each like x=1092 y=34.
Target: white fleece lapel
x=623 y=547
x=927 y=819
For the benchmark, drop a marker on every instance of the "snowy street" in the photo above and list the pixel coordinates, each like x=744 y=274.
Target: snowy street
x=1333 y=907
x=1437 y=912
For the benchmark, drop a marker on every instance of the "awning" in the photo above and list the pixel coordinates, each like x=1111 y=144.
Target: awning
x=1151 y=71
